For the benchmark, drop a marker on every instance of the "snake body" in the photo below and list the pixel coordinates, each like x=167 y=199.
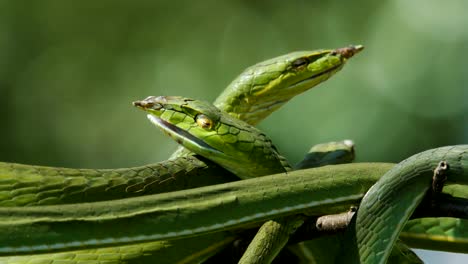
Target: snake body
x=241 y=204
x=184 y=213
x=26 y=185
x=289 y=75
x=391 y=201
x=188 y=250
x=39 y=221
x=205 y=130
x=272 y=82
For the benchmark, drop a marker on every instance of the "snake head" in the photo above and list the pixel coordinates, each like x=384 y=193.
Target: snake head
x=266 y=86
x=204 y=129
x=170 y=113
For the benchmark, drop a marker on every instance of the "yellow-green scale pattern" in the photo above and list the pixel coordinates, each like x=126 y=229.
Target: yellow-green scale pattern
x=225 y=140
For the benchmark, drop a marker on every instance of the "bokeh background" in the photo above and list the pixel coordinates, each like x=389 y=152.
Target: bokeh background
x=70 y=70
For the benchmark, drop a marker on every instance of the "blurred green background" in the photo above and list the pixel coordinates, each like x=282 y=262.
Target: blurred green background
x=70 y=70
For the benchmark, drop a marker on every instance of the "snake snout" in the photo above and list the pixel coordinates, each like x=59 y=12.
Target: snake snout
x=350 y=51
x=142 y=104
x=149 y=102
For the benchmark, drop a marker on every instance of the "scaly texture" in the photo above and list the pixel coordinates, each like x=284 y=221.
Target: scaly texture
x=294 y=73
x=169 y=252
x=205 y=130
x=266 y=86
x=388 y=205
x=241 y=204
x=324 y=190
x=277 y=77
x=161 y=252
x=26 y=185
x=443 y=233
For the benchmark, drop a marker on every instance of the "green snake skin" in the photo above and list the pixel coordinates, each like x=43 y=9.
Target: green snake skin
x=169 y=251
x=26 y=185
x=324 y=190
x=42 y=185
x=442 y=230
x=204 y=129
x=319 y=67
x=22 y=184
x=388 y=205
x=318 y=191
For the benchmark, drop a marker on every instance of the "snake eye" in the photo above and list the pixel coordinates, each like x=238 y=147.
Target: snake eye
x=203 y=121
x=299 y=62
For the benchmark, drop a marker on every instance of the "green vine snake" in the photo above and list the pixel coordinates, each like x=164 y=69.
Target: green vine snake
x=143 y=180
x=272 y=82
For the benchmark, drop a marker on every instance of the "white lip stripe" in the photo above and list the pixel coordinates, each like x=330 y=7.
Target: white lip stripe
x=185 y=232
